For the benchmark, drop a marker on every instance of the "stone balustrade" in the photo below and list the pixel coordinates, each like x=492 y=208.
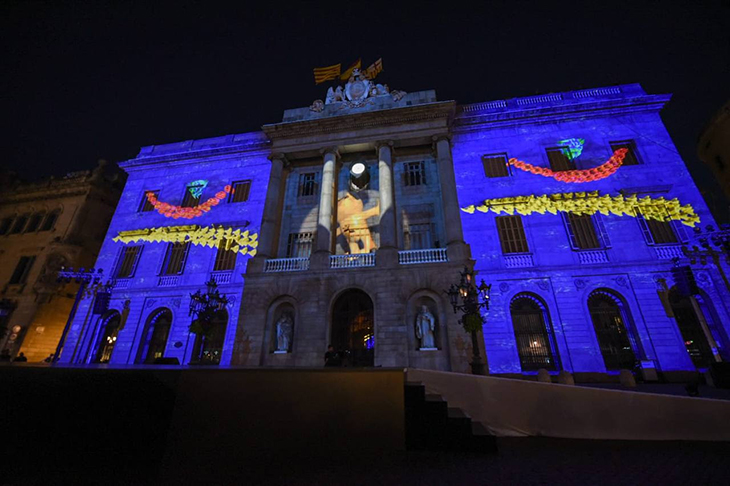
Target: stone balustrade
x=120 y=283
x=431 y=255
x=588 y=257
x=168 y=281
x=352 y=261
x=222 y=277
x=521 y=260
x=286 y=265
x=668 y=252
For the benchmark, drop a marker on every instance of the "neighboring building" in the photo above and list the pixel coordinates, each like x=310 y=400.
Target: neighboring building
x=713 y=147
x=44 y=226
x=357 y=205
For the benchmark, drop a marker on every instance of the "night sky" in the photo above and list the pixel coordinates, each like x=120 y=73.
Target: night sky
x=86 y=80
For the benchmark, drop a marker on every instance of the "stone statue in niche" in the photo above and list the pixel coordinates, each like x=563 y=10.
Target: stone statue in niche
x=284 y=328
x=425 y=327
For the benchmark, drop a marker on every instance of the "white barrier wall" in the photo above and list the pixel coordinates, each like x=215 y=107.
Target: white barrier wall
x=522 y=408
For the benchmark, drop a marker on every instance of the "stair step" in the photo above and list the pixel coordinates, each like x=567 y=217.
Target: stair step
x=433 y=397
x=477 y=428
x=455 y=412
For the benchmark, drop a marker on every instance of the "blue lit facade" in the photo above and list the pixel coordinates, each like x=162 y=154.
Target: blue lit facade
x=558 y=289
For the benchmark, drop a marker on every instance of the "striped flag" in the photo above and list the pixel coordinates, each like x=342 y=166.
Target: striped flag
x=355 y=65
x=374 y=69
x=326 y=73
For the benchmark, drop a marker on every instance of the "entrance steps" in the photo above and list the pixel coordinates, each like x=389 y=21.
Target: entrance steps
x=432 y=425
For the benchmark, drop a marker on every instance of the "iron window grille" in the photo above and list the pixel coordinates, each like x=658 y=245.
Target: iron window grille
x=175 y=257
x=307 y=184
x=536 y=344
x=586 y=232
x=631 y=157
x=145 y=205
x=128 y=260
x=559 y=160
x=22 y=269
x=511 y=234
x=241 y=190
x=225 y=258
x=496 y=165
x=414 y=174
x=299 y=245
x=611 y=331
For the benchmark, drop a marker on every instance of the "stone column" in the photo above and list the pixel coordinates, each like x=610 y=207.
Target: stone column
x=325 y=218
x=270 y=221
x=386 y=226
x=455 y=245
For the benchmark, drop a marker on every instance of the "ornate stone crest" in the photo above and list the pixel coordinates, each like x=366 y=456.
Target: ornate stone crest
x=358 y=91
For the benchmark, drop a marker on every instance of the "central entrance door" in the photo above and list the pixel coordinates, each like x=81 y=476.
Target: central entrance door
x=353 y=330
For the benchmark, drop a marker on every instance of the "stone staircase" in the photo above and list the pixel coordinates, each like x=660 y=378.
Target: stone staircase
x=431 y=425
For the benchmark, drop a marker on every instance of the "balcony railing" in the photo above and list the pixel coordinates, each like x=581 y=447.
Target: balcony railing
x=431 y=255
x=120 y=283
x=352 y=261
x=588 y=257
x=668 y=252
x=222 y=277
x=518 y=261
x=168 y=281
x=286 y=265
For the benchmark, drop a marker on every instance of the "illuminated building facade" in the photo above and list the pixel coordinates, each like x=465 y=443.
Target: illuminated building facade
x=349 y=219
x=43 y=226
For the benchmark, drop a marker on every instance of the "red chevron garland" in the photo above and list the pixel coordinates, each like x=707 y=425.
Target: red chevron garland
x=176 y=212
x=585 y=175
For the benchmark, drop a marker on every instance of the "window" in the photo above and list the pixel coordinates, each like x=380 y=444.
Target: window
x=22 y=269
x=610 y=322
x=495 y=165
x=586 y=232
x=536 y=344
x=175 y=258
x=511 y=234
x=657 y=232
x=189 y=199
x=19 y=224
x=307 y=184
x=414 y=174
x=240 y=191
x=50 y=220
x=128 y=261
x=145 y=205
x=418 y=237
x=630 y=158
x=35 y=222
x=559 y=160
x=5 y=225
x=225 y=259
x=299 y=245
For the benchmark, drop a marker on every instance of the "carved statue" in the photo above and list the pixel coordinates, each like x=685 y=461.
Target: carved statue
x=283 y=332
x=425 y=327
x=318 y=105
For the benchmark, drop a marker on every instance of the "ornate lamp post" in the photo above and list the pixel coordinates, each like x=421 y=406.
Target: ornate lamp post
x=85 y=278
x=205 y=307
x=710 y=245
x=470 y=299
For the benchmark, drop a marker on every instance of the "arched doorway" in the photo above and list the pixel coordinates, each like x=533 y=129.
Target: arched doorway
x=690 y=327
x=208 y=349
x=109 y=331
x=353 y=329
x=536 y=344
x=611 y=322
x=154 y=338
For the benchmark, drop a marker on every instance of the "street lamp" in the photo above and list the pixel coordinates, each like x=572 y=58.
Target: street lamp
x=470 y=299
x=206 y=307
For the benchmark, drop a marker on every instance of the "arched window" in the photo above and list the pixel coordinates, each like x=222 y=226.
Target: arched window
x=619 y=343
x=108 y=339
x=207 y=349
x=154 y=338
x=690 y=327
x=536 y=344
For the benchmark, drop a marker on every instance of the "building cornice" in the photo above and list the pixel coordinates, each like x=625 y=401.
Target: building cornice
x=361 y=121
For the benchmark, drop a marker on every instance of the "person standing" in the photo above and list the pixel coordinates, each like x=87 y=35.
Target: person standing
x=331 y=357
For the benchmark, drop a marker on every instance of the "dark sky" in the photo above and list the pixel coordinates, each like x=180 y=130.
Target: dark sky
x=86 y=80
